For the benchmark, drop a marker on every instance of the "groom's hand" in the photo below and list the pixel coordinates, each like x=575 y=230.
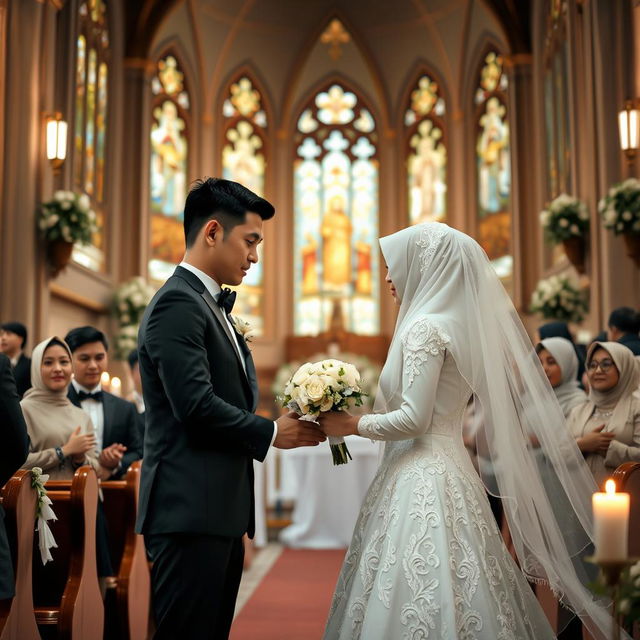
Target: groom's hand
x=294 y=433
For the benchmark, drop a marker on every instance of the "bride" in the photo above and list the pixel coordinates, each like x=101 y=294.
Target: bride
x=426 y=559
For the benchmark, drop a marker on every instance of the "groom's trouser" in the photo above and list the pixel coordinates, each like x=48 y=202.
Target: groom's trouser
x=195 y=580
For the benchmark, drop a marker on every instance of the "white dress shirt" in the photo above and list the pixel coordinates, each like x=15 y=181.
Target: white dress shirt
x=214 y=289
x=95 y=410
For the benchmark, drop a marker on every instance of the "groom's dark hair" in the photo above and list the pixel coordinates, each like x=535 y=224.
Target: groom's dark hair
x=223 y=200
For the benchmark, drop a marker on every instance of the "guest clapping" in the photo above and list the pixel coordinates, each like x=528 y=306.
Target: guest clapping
x=560 y=364
x=607 y=425
x=62 y=436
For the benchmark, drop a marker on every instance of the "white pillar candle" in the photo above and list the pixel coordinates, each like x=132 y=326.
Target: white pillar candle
x=116 y=386
x=611 y=523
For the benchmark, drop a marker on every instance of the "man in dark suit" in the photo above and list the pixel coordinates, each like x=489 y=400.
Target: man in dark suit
x=624 y=327
x=114 y=419
x=13 y=453
x=13 y=339
x=200 y=394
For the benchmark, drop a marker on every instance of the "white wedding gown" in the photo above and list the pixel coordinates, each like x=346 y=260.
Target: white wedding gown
x=426 y=559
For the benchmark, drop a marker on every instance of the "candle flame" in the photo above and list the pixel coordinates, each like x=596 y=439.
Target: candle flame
x=610 y=486
x=115 y=382
x=104 y=378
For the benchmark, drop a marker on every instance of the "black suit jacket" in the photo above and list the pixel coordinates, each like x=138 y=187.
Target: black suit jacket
x=632 y=341
x=13 y=453
x=22 y=374
x=120 y=425
x=201 y=433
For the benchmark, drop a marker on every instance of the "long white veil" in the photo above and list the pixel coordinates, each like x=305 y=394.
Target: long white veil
x=546 y=491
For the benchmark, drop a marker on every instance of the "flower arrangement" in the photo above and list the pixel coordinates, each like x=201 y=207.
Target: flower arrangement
x=565 y=217
x=130 y=300
x=628 y=596
x=243 y=328
x=68 y=217
x=620 y=208
x=328 y=385
x=558 y=298
x=44 y=512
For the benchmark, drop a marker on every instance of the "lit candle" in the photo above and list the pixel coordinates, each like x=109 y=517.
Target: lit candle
x=105 y=381
x=116 y=386
x=611 y=523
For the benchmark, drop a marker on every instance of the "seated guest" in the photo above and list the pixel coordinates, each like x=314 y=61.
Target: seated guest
x=15 y=446
x=607 y=425
x=560 y=364
x=561 y=330
x=116 y=421
x=624 y=327
x=62 y=436
x=136 y=395
x=13 y=339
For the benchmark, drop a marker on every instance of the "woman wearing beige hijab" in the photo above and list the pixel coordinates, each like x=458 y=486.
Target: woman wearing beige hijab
x=61 y=435
x=607 y=425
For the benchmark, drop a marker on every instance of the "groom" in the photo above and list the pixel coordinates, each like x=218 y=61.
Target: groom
x=200 y=392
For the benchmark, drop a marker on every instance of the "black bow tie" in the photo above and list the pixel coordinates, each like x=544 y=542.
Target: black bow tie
x=226 y=300
x=96 y=395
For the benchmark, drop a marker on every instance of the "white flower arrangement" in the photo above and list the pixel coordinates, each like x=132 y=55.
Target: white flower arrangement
x=129 y=302
x=68 y=217
x=44 y=512
x=243 y=328
x=558 y=298
x=328 y=385
x=565 y=217
x=620 y=208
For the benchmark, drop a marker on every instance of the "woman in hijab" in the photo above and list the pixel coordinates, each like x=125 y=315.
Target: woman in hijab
x=62 y=436
x=607 y=425
x=560 y=363
x=561 y=330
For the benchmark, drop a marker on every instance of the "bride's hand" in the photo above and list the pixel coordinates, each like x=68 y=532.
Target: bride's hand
x=338 y=423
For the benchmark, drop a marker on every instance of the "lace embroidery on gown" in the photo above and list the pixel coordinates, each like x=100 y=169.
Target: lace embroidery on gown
x=427 y=560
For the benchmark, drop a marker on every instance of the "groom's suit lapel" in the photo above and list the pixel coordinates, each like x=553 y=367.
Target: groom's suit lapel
x=198 y=285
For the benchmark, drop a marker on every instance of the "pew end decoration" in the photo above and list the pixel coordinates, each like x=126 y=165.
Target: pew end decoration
x=328 y=385
x=129 y=302
x=44 y=512
x=558 y=298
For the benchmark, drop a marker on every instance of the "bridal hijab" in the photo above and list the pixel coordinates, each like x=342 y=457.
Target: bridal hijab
x=443 y=273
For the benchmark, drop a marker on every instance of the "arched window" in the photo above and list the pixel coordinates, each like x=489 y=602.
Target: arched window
x=493 y=163
x=244 y=161
x=169 y=139
x=90 y=121
x=336 y=214
x=426 y=152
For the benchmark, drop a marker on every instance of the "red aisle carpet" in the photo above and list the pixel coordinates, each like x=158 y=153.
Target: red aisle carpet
x=293 y=599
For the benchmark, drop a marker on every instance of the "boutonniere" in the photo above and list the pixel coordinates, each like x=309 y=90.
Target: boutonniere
x=243 y=328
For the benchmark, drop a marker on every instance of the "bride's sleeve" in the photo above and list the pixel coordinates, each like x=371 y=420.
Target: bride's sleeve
x=423 y=351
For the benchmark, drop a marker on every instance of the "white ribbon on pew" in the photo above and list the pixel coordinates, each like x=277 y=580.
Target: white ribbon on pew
x=44 y=512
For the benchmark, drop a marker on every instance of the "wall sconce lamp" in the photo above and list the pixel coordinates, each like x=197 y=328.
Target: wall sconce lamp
x=629 y=127
x=56 y=141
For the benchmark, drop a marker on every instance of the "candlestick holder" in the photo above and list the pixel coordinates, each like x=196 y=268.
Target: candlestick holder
x=611 y=570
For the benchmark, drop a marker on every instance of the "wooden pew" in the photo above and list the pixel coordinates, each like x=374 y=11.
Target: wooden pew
x=627 y=477
x=17 y=620
x=66 y=593
x=129 y=618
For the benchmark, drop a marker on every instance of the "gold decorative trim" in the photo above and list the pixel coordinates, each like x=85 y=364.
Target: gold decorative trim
x=77 y=299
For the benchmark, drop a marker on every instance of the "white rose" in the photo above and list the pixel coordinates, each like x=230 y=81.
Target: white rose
x=59 y=196
x=610 y=216
x=330 y=381
x=302 y=374
x=315 y=388
x=544 y=218
x=327 y=404
x=627 y=215
x=563 y=223
x=351 y=376
x=52 y=220
x=574 y=228
x=66 y=205
x=83 y=202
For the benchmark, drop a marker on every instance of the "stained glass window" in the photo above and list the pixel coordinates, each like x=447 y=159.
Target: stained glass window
x=426 y=152
x=91 y=121
x=336 y=214
x=494 y=165
x=244 y=161
x=168 y=169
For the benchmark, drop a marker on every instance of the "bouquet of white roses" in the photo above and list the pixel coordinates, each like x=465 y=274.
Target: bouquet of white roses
x=565 y=217
x=557 y=298
x=620 y=208
x=329 y=385
x=68 y=217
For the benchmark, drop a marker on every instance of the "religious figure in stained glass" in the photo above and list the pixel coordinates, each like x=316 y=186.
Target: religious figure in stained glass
x=244 y=161
x=494 y=166
x=427 y=157
x=336 y=214
x=168 y=169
